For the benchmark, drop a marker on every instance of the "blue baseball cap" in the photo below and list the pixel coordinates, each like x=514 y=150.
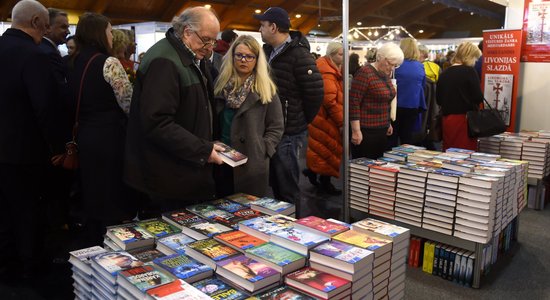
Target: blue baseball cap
x=275 y=15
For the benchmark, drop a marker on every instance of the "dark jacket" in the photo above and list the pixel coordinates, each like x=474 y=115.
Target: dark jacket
x=30 y=131
x=255 y=131
x=299 y=83
x=169 y=137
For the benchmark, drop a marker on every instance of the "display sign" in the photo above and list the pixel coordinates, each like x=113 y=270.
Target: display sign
x=535 y=45
x=500 y=71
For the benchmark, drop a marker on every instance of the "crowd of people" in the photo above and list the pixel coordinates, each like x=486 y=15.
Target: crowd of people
x=146 y=132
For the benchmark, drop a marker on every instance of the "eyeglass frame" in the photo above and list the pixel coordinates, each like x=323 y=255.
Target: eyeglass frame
x=394 y=66
x=205 y=45
x=245 y=56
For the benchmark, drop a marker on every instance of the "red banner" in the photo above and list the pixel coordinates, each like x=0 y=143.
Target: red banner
x=500 y=71
x=535 y=46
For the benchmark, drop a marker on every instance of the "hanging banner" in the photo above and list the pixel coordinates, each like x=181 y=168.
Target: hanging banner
x=500 y=71
x=535 y=46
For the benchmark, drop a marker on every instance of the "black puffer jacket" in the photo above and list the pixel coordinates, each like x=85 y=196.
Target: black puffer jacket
x=299 y=83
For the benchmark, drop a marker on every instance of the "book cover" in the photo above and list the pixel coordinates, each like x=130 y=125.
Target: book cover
x=145 y=277
x=242 y=198
x=146 y=255
x=344 y=252
x=239 y=240
x=213 y=249
x=275 y=254
x=247 y=268
x=182 y=266
x=177 y=289
x=158 y=227
x=231 y=156
x=268 y=224
x=271 y=204
x=227 y=205
x=248 y=213
x=302 y=237
x=207 y=211
x=229 y=220
x=115 y=261
x=208 y=228
x=181 y=217
x=364 y=240
x=317 y=280
x=82 y=258
x=282 y=293
x=219 y=290
x=176 y=242
x=383 y=229
x=130 y=234
x=322 y=225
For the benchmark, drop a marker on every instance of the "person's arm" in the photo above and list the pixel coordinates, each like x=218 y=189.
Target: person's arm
x=114 y=74
x=359 y=88
x=330 y=101
x=475 y=87
x=310 y=83
x=274 y=126
x=159 y=102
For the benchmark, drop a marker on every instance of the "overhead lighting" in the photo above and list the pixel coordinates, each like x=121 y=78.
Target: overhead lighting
x=397 y=31
x=350 y=37
x=383 y=26
x=359 y=23
x=472 y=13
x=370 y=33
x=376 y=33
x=298 y=16
x=391 y=36
x=355 y=35
x=258 y=11
x=208 y=6
x=420 y=31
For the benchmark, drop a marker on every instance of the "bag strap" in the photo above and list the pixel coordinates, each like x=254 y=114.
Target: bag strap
x=75 y=126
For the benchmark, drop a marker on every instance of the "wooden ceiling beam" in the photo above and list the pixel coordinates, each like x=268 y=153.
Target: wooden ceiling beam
x=368 y=7
x=308 y=24
x=100 y=6
x=233 y=12
x=5 y=9
x=419 y=15
x=173 y=9
x=291 y=5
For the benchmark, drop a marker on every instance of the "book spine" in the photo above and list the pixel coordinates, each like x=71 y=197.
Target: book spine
x=411 y=252
x=463 y=262
x=450 y=271
x=421 y=252
x=456 y=271
x=416 y=253
x=443 y=265
x=426 y=258
x=436 y=259
x=431 y=258
x=469 y=271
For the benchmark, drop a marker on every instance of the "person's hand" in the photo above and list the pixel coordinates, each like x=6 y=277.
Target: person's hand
x=356 y=137
x=215 y=158
x=390 y=131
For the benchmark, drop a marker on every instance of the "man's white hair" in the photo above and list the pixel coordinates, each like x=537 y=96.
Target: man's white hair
x=24 y=10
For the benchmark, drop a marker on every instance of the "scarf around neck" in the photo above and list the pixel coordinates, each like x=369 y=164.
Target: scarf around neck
x=234 y=97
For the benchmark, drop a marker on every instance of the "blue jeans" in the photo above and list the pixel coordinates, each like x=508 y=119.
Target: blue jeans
x=284 y=171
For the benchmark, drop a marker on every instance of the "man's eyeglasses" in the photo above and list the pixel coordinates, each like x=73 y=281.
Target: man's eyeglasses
x=395 y=66
x=208 y=43
x=248 y=58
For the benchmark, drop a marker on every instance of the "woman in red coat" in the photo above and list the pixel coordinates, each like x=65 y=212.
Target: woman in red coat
x=324 y=150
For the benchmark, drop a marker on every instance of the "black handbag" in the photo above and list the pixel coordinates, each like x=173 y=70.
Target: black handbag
x=484 y=122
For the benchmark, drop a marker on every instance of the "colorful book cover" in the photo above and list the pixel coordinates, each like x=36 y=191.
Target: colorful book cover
x=158 y=227
x=272 y=204
x=240 y=240
x=275 y=254
x=268 y=224
x=146 y=255
x=227 y=205
x=129 y=233
x=248 y=213
x=176 y=242
x=116 y=261
x=85 y=254
x=301 y=237
x=247 y=268
x=228 y=219
x=318 y=280
x=182 y=218
x=181 y=265
x=342 y=251
x=382 y=228
x=213 y=249
x=243 y=199
x=145 y=277
x=231 y=156
x=219 y=290
x=177 y=289
x=322 y=225
x=205 y=210
x=282 y=293
x=361 y=240
x=208 y=228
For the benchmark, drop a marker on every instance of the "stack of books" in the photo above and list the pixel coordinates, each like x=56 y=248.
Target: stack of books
x=146 y=255
x=382 y=249
x=409 y=200
x=158 y=227
x=276 y=257
x=106 y=267
x=359 y=183
x=511 y=146
x=175 y=243
x=422 y=155
x=400 y=245
x=448 y=262
x=536 y=153
x=248 y=274
x=397 y=155
x=490 y=144
x=210 y=251
x=128 y=236
x=217 y=289
x=281 y=292
x=348 y=262
x=263 y=227
x=318 y=284
x=440 y=202
x=184 y=267
x=177 y=289
x=270 y=206
x=82 y=270
x=297 y=240
x=239 y=240
x=133 y=283
x=383 y=181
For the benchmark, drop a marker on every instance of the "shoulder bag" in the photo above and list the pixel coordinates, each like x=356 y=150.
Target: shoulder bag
x=69 y=159
x=484 y=122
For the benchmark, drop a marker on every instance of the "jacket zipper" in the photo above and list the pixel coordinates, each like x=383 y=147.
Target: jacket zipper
x=286 y=111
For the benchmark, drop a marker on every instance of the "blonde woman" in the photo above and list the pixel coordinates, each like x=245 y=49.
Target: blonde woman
x=250 y=116
x=458 y=91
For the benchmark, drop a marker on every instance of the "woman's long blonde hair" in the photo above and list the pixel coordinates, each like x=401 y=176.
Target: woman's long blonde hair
x=263 y=85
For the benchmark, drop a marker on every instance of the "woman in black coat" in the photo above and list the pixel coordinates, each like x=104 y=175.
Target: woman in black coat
x=104 y=104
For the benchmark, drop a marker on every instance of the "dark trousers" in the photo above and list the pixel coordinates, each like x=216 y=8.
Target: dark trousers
x=22 y=220
x=284 y=171
x=405 y=126
x=375 y=142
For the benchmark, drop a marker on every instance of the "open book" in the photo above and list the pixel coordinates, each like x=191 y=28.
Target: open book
x=231 y=156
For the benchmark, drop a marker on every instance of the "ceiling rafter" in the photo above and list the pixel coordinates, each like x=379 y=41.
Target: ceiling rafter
x=308 y=24
x=100 y=6
x=238 y=7
x=174 y=8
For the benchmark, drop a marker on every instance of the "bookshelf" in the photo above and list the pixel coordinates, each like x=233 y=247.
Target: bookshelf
x=477 y=248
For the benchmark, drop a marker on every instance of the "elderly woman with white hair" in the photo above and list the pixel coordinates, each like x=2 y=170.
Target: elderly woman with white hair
x=324 y=150
x=370 y=97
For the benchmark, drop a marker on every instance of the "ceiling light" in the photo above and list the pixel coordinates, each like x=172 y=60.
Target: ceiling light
x=355 y=35
x=370 y=33
x=258 y=11
x=420 y=31
x=376 y=33
x=208 y=6
x=298 y=16
x=472 y=13
x=397 y=31
x=350 y=37
x=391 y=36
x=359 y=23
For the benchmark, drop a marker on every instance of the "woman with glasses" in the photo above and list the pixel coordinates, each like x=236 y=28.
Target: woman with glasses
x=370 y=97
x=250 y=117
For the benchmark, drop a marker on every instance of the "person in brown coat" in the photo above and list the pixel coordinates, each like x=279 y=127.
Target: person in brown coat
x=324 y=150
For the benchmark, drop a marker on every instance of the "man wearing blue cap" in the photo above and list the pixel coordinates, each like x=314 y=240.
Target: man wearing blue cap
x=300 y=88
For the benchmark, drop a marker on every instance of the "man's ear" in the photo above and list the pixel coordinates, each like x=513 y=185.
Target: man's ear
x=35 y=22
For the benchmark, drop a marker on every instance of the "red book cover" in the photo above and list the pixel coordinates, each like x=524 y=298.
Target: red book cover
x=322 y=225
x=317 y=280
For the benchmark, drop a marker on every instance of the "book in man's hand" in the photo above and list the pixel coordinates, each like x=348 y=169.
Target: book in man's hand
x=231 y=156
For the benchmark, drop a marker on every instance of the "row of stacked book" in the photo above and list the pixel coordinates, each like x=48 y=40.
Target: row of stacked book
x=265 y=255
x=530 y=146
x=463 y=193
